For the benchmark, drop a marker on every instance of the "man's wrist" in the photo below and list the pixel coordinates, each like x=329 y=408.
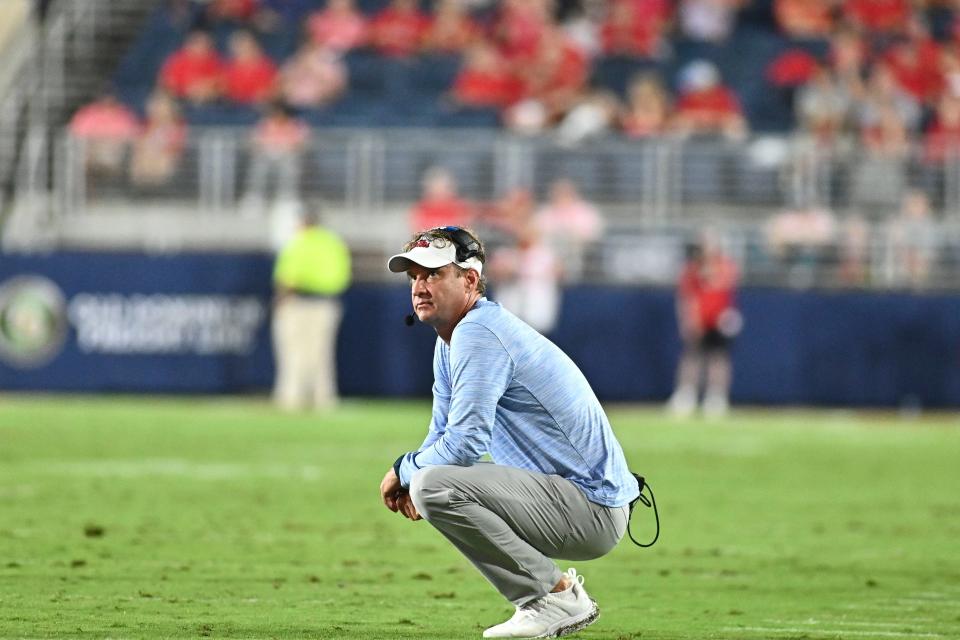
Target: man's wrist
x=396 y=468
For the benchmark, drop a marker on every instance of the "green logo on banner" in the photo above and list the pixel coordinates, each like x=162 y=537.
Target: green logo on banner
x=33 y=321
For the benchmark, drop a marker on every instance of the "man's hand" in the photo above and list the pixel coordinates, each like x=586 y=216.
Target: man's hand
x=390 y=490
x=396 y=498
x=405 y=504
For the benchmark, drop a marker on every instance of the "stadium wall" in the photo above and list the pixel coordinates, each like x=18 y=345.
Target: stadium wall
x=200 y=324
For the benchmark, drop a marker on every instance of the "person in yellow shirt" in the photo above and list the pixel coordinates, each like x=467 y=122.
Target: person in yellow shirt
x=311 y=272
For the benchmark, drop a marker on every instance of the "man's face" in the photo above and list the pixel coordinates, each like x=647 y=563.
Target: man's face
x=439 y=295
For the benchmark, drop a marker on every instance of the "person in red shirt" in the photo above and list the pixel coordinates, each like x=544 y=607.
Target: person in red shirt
x=232 y=10
x=557 y=74
x=440 y=205
x=706 y=107
x=451 y=30
x=634 y=28
x=915 y=63
x=708 y=321
x=519 y=26
x=805 y=19
x=485 y=80
x=194 y=71
x=878 y=17
x=339 y=26
x=398 y=30
x=249 y=77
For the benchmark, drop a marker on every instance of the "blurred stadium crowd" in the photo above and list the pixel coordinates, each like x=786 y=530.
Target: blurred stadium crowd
x=872 y=87
x=879 y=69
x=805 y=144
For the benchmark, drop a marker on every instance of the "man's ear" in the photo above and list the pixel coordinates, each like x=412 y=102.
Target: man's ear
x=471 y=279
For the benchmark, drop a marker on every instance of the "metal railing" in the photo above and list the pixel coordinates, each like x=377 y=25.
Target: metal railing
x=654 y=195
x=53 y=66
x=664 y=179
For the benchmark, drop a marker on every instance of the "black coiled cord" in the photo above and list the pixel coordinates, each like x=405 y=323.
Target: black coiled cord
x=652 y=502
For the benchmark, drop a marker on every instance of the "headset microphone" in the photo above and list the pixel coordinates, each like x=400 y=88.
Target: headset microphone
x=409 y=319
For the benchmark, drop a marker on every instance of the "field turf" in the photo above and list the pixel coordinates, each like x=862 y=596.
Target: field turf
x=220 y=518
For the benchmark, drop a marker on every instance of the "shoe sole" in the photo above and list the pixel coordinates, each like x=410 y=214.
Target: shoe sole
x=569 y=628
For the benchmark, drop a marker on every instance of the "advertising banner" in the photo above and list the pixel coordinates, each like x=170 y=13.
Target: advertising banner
x=201 y=324
x=134 y=322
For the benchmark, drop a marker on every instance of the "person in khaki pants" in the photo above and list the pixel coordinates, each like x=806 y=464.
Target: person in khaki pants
x=311 y=272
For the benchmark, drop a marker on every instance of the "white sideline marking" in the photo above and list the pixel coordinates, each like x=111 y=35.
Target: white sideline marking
x=841 y=632
x=929 y=601
x=877 y=607
x=854 y=623
x=178 y=467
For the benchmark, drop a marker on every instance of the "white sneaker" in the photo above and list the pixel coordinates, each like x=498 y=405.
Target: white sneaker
x=552 y=616
x=682 y=403
x=716 y=405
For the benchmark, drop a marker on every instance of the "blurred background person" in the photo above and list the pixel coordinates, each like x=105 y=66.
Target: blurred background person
x=709 y=20
x=249 y=75
x=888 y=116
x=525 y=278
x=554 y=76
x=397 y=30
x=311 y=272
x=879 y=19
x=159 y=146
x=912 y=238
x=853 y=250
x=507 y=217
x=194 y=72
x=800 y=239
x=485 y=80
x=277 y=145
x=824 y=106
x=451 y=29
x=805 y=19
x=105 y=128
x=635 y=28
x=440 y=205
x=593 y=115
x=518 y=27
x=338 y=26
x=231 y=12
x=569 y=225
x=647 y=112
x=708 y=322
x=313 y=77
x=706 y=107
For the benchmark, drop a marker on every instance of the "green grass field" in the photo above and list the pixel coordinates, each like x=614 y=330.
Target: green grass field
x=160 y=518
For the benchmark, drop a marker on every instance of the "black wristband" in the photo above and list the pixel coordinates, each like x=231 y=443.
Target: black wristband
x=396 y=467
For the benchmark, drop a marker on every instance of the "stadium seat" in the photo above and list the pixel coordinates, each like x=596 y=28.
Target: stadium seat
x=221 y=115
x=615 y=72
x=466 y=117
x=434 y=74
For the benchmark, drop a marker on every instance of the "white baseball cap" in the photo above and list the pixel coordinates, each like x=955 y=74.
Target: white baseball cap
x=432 y=252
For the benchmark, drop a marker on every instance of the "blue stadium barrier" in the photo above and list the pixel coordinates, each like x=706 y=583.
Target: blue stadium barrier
x=199 y=324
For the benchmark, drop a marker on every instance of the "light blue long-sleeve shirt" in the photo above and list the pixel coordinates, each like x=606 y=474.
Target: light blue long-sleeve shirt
x=501 y=387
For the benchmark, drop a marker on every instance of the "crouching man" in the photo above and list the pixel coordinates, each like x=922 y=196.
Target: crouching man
x=558 y=486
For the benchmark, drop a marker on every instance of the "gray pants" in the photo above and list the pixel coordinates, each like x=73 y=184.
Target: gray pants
x=509 y=523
